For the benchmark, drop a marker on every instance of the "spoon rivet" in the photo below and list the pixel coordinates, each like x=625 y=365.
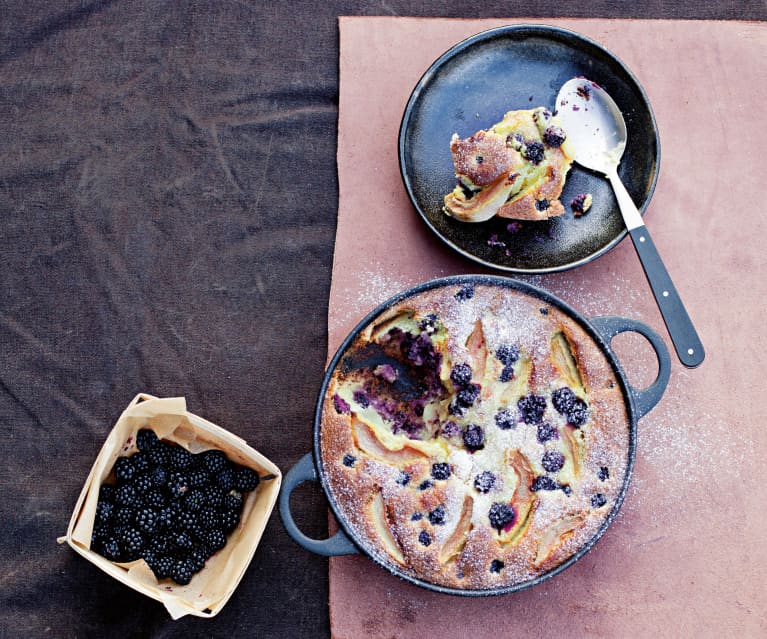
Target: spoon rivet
x=690 y=351
x=665 y=293
x=641 y=239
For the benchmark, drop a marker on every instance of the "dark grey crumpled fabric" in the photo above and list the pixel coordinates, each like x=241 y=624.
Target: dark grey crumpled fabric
x=168 y=195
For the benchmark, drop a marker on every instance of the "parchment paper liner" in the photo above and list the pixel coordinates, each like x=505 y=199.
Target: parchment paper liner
x=210 y=588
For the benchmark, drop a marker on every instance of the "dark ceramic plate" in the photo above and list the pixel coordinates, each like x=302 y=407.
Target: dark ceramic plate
x=470 y=87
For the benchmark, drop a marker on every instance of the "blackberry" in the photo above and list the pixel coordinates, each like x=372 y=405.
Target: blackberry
x=437 y=516
x=185 y=520
x=507 y=354
x=228 y=520
x=159 y=476
x=484 y=482
x=552 y=461
x=428 y=323
x=578 y=413
x=163 y=567
x=542 y=204
x=496 y=566
x=194 y=500
x=214 y=461
x=547 y=432
x=198 y=478
x=132 y=543
x=562 y=399
x=544 y=482
x=531 y=408
x=554 y=136
x=167 y=518
x=123 y=469
x=123 y=515
x=467 y=396
x=161 y=545
x=126 y=495
x=143 y=484
x=349 y=460
x=110 y=549
x=416 y=516
x=182 y=572
x=182 y=540
x=534 y=152
x=107 y=493
x=604 y=473
x=147 y=520
x=140 y=461
x=154 y=499
x=403 y=479
x=158 y=456
x=507 y=374
x=197 y=557
x=100 y=533
x=104 y=510
x=461 y=375
x=424 y=538
x=466 y=292
x=440 y=471
x=208 y=518
x=179 y=458
x=504 y=419
x=456 y=409
x=474 y=437
x=146 y=439
x=232 y=501
x=215 y=538
x=214 y=496
x=225 y=479
x=177 y=485
x=361 y=397
x=598 y=500
x=501 y=515
x=426 y=484
x=246 y=479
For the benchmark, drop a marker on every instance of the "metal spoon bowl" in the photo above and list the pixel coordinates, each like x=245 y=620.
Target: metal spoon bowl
x=598 y=134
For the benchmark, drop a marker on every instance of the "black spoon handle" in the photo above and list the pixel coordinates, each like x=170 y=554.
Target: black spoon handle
x=683 y=334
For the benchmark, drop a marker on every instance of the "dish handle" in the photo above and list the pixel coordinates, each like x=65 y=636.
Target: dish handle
x=338 y=544
x=644 y=399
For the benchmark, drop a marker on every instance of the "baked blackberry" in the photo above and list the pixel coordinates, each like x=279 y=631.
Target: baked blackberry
x=578 y=413
x=562 y=399
x=467 y=396
x=604 y=473
x=424 y=538
x=123 y=469
x=349 y=460
x=496 y=566
x=437 y=517
x=146 y=439
x=183 y=572
x=501 y=515
x=214 y=461
x=534 y=152
x=507 y=354
x=440 y=471
x=403 y=479
x=474 y=437
x=504 y=419
x=546 y=432
x=554 y=136
x=552 y=461
x=461 y=375
x=465 y=293
x=531 y=408
x=507 y=374
x=544 y=482
x=246 y=479
x=598 y=500
x=484 y=482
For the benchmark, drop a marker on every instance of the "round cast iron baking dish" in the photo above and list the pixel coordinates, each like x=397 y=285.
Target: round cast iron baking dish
x=601 y=329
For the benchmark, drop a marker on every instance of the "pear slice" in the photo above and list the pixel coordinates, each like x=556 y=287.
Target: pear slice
x=383 y=528
x=573 y=446
x=523 y=501
x=564 y=360
x=394 y=449
x=457 y=540
x=555 y=536
x=477 y=348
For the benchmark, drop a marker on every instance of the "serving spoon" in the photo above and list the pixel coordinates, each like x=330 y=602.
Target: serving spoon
x=597 y=132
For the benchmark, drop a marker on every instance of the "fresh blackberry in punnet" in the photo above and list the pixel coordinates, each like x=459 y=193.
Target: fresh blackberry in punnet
x=154 y=499
x=194 y=500
x=107 y=493
x=126 y=495
x=132 y=543
x=198 y=478
x=147 y=520
x=234 y=501
x=146 y=439
x=158 y=456
x=141 y=463
x=215 y=538
x=225 y=479
x=183 y=572
x=177 y=485
x=163 y=567
x=214 y=496
x=246 y=479
x=159 y=476
x=214 y=461
x=179 y=458
x=123 y=469
x=110 y=549
x=104 y=510
x=143 y=484
x=228 y=520
x=209 y=518
x=123 y=515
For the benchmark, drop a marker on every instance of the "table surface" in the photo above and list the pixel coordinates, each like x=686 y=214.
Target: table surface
x=168 y=198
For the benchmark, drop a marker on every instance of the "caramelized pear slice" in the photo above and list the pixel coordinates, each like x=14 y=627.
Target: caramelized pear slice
x=523 y=501
x=555 y=536
x=477 y=348
x=394 y=449
x=573 y=446
x=383 y=529
x=457 y=540
x=564 y=360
